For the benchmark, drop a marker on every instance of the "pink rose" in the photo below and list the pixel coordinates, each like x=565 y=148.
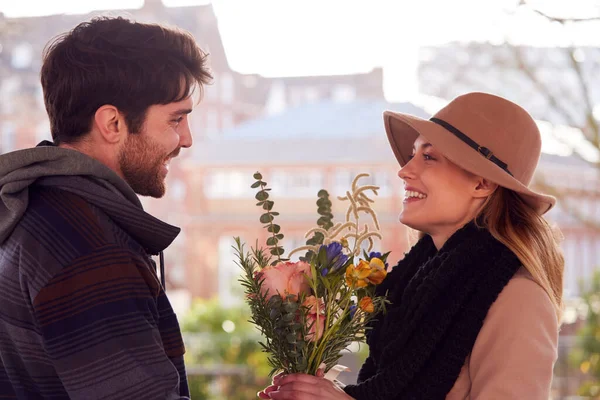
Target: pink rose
x=311 y=303
x=285 y=278
x=318 y=326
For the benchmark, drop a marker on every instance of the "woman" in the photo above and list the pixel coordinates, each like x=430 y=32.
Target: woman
x=476 y=303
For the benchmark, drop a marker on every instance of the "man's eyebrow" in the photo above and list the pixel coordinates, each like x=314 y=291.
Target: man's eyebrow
x=181 y=111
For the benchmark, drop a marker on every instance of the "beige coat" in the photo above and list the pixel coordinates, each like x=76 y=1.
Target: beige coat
x=515 y=350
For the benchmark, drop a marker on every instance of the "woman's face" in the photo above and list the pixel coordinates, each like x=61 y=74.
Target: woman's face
x=440 y=197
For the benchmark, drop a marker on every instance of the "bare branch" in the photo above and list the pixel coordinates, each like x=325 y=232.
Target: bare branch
x=552 y=99
x=564 y=202
x=563 y=20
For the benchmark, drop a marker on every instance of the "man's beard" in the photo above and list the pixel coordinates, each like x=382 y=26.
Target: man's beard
x=141 y=162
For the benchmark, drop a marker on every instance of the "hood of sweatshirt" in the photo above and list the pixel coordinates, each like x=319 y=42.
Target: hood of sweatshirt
x=73 y=171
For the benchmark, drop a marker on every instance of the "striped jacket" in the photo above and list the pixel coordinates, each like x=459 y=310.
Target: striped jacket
x=82 y=313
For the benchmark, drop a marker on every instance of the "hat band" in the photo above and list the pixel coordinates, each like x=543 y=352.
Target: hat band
x=484 y=151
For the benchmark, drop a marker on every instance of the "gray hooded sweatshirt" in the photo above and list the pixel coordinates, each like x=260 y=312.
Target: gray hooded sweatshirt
x=83 y=313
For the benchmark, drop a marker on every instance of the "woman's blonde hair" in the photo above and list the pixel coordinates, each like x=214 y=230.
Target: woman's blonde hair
x=529 y=236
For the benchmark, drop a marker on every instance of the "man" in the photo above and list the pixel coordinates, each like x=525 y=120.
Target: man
x=82 y=312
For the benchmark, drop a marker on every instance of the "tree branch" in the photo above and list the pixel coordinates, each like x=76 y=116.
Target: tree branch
x=566 y=205
x=562 y=20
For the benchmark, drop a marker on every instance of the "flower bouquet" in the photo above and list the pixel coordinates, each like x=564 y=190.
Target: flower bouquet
x=310 y=310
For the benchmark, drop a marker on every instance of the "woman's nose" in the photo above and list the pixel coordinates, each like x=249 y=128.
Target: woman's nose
x=407 y=171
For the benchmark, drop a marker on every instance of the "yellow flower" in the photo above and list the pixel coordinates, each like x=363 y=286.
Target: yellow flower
x=344 y=242
x=356 y=276
x=366 y=304
x=378 y=271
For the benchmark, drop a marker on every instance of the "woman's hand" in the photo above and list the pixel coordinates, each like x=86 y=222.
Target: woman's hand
x=264 y=394
x=305 y=387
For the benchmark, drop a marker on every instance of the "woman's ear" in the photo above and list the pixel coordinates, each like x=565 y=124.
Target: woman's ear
x=484 y=188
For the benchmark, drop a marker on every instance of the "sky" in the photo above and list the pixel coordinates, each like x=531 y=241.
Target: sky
x=319 y=37
x=322 y=37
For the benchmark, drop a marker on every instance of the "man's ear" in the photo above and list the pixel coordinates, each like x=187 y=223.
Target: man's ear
x=110 y=124
x=484 y=188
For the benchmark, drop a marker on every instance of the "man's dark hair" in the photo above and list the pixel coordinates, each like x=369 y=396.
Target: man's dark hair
x=119 y=62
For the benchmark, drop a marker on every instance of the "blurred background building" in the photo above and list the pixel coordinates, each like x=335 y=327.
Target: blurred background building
x=318 y=130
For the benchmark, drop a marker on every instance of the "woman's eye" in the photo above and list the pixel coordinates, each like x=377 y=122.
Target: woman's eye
x=428 y=157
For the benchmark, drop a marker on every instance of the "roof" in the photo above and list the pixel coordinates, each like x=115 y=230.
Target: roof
x=308 y=134
x=325 y=119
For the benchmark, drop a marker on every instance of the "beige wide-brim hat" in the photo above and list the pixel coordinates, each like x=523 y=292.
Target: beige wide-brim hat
x=484 y=134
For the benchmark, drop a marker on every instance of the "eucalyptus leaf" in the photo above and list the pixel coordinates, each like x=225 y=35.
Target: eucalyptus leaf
x=291 y=338
x=272 y=241
x=277 y=251
x=257 y=176
x=262 y=195
x=274 y=228
x=255 y=185
x=290 y=307
x=266 y=218
x=288 y=317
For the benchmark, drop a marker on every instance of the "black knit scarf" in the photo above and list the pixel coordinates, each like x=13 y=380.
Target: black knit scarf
x=439 y=301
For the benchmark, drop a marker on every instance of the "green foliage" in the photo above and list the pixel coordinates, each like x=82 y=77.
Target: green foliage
x=268 y=217
x=325 y=221
x=329 y=307
x=283 y=322
x=586 y=354
x=213 y=346
x=274 y=317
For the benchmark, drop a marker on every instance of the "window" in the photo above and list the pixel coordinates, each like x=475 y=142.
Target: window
x=177 y=190
x=571 y=284
x=311 y=94
x=230 y=291
x=344 y=93
x=211 y=92
x=22 y=56
x=297 y=183
x=227 y=184
x=227 y=120
x=212 y=123
x=294 y=241
x=42 y=131
x=9 y=87
x=175 y=261
x=343 y=181
x=8 y=137
x=227 y=88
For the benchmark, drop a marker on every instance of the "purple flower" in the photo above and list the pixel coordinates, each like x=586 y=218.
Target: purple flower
x=376 y=254
x=335 y=258
x=352 y=311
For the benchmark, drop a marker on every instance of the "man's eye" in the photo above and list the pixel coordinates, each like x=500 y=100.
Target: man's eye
x=178 y=120
x=428 y=157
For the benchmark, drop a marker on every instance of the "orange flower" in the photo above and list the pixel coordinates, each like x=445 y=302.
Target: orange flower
x=285 y=278
x=366 y=304
x=378 y=271
x=356 y=276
